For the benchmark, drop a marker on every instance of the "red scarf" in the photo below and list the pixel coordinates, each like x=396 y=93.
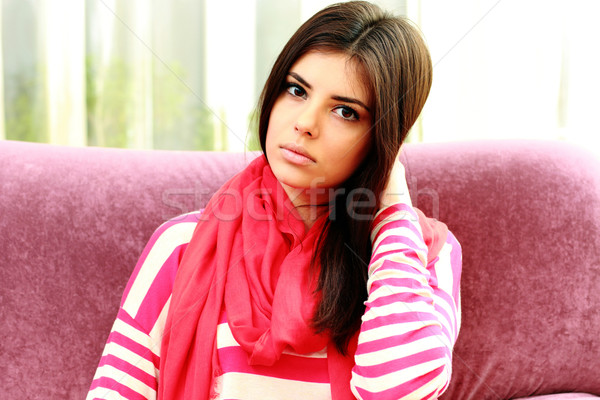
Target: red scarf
x=251 y=254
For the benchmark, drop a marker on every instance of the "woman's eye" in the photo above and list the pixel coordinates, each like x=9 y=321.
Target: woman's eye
x=295 y=90
x=347 y=113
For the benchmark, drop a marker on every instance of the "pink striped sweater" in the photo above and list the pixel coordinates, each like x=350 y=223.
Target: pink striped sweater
x=405 y=342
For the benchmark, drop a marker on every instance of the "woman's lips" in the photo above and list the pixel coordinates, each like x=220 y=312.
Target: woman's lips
x=296 y=154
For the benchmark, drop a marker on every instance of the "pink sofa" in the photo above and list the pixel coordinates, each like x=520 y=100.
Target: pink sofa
x=74 y=220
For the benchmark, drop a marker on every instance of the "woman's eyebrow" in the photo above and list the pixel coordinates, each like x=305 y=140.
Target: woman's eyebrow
x=351 y=100
x=338 y=98
x=299 y=79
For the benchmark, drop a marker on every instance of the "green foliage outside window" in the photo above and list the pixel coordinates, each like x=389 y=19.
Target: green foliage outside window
x=178 y=119
x=25 y=111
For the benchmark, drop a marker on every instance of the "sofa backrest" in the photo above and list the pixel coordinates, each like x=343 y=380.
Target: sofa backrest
x=74 y=221
x=527 y=214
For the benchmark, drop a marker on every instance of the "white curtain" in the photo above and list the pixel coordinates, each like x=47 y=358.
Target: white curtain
x=64 y=34
x=186 y=74
x=512 y=69
x=2 y=129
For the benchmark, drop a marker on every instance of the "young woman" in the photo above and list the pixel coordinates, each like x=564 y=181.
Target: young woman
x=309 y=275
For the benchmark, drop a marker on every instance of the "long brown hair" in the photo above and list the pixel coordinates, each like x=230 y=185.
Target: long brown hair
x=398 y=72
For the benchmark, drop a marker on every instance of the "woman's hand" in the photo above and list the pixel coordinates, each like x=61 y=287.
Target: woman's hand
x=396 y=190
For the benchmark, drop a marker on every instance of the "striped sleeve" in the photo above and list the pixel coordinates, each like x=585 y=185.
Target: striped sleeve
x=128 y=368
x=412 y=312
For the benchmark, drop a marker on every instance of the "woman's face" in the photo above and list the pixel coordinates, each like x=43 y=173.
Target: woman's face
x=319 y=127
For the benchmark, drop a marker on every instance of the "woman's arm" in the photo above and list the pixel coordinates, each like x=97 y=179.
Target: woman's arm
x=412 y=313
x=129 y=365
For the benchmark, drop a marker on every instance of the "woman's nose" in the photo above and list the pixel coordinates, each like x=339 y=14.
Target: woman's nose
x=307 y=121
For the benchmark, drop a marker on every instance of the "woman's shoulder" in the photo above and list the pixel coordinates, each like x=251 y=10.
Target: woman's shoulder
x=158 y=263
x=176 y=228
x=171 y=236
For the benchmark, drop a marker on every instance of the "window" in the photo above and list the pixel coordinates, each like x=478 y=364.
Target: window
x=186 y=74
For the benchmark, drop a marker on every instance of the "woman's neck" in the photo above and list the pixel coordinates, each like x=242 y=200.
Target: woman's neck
x=309 y=206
